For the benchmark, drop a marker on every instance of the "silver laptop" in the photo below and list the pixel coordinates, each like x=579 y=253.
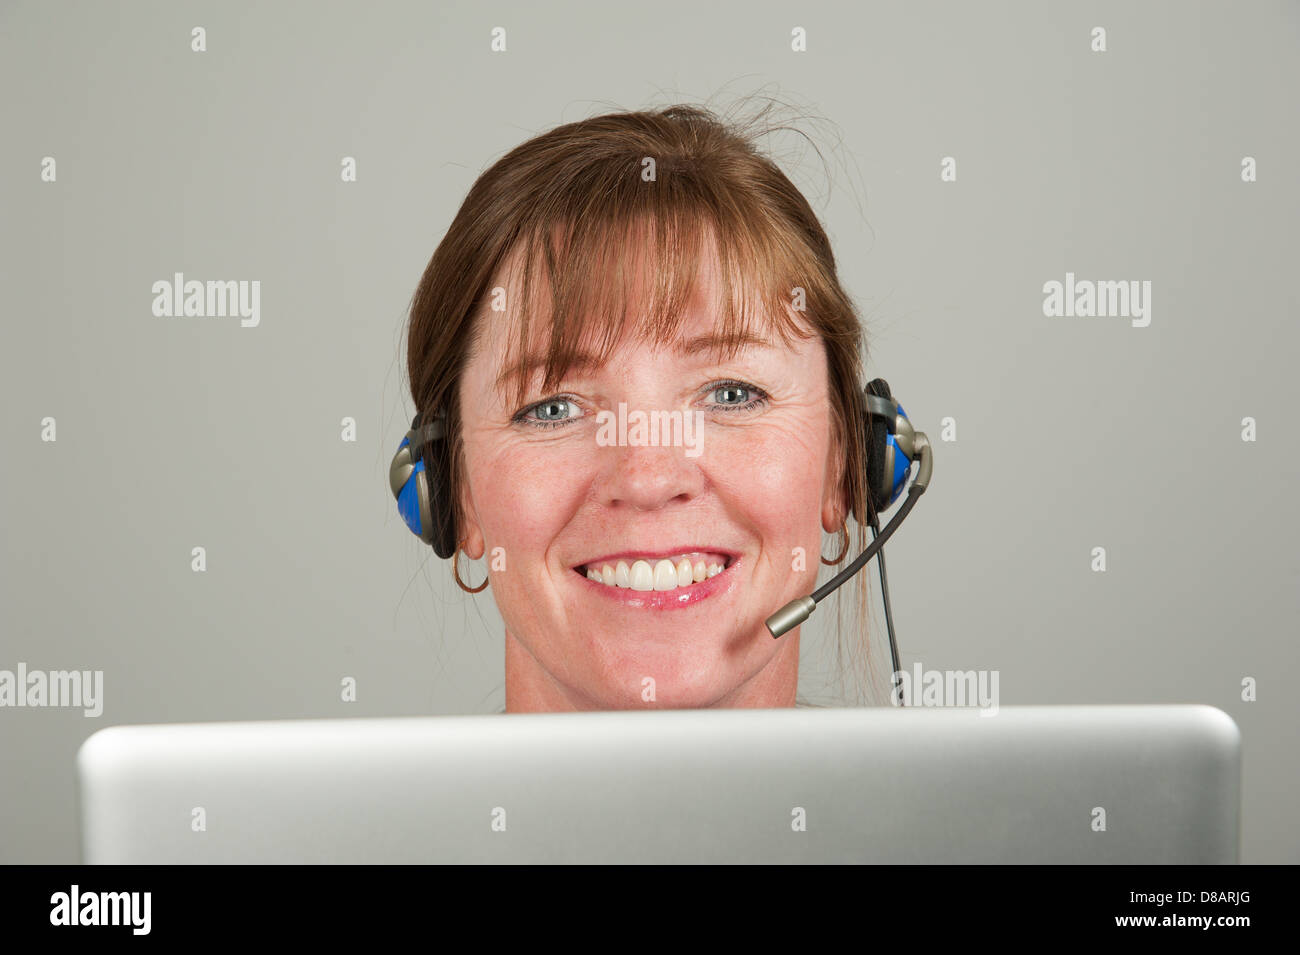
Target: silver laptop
x=1080 y=784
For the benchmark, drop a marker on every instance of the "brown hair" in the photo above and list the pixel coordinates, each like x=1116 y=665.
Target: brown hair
x=582 y=197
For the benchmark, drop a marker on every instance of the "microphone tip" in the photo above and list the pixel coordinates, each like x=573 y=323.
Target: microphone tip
x=790 y=616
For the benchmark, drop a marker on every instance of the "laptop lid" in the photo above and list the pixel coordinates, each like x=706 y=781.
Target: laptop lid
x=1088 y=784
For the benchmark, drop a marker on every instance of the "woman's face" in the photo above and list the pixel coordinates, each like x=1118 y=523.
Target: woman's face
x=751 y=488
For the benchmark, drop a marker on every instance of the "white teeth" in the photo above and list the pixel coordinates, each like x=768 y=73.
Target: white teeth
x=642 y=576
x=684 y=573
x=662 y=575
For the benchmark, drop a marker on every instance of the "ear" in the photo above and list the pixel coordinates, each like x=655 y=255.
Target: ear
x=472 y=542
x=470 y=531
x=835 y=507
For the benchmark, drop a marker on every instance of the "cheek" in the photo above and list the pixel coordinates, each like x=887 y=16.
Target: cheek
x=521 y=498
x=775 y=476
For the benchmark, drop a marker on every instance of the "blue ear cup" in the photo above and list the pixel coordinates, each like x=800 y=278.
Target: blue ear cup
x=419 y=482
x=420 y=473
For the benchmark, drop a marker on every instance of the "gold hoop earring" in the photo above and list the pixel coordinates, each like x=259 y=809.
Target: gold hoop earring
x=455 y=572
x=844 y=529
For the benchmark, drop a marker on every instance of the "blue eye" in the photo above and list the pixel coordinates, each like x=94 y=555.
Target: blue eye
x=550 y=404
x=760 y=396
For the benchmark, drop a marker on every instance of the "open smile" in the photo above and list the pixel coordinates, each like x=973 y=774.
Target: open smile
x=666 y=599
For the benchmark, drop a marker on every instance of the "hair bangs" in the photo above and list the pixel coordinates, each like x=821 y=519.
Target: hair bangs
x=592 y=282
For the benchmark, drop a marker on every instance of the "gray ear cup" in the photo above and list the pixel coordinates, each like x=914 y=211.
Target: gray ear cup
x=437 y=464
x=880 y=412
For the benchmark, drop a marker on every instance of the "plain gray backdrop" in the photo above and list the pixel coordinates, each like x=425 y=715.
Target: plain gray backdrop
x=1070 y=433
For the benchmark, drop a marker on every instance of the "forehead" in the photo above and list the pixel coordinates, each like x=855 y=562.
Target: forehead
x=702 y=329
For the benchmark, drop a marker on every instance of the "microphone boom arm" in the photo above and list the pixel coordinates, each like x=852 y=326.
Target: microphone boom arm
x=801 y=608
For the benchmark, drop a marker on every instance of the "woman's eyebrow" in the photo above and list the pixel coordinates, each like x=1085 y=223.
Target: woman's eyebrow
x=718 y=342
x=585 y=361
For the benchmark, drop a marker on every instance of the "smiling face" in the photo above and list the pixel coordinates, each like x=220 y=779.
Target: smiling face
x=552 y=486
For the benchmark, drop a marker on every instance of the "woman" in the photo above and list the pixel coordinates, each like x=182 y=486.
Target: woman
x=631 y=268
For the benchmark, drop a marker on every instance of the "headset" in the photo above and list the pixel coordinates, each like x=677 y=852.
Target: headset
x=421 y=481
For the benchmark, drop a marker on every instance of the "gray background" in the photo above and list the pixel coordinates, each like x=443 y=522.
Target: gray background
x=1072 y=433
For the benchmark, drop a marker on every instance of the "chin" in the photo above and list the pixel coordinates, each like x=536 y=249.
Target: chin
x=678 y=684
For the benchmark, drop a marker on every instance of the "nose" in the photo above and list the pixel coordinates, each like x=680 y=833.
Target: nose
x=648 y=477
